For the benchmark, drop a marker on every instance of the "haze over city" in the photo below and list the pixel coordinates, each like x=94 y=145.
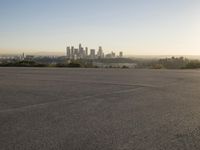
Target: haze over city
x=145 y=27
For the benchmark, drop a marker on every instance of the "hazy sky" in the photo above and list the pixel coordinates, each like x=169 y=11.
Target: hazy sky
x=143 y=27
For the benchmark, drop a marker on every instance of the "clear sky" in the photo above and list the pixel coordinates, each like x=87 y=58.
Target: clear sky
x=141 y=27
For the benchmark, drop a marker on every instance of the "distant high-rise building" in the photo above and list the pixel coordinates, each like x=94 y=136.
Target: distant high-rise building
x=80 y=47
x=110 y=55
x=22 y=57
x=76 y=52
x=100 y=48
x=81 y=53
x=72 y=52
x=120 y=54
x=113 y=54
x=75 y=56
x=68 y=52
x=86 y=51
x=92 y=54
x=100 y=52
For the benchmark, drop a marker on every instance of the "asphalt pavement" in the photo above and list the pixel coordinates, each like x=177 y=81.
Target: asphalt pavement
x=99 y=109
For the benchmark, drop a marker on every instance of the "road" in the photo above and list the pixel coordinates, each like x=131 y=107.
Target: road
x=99 y=109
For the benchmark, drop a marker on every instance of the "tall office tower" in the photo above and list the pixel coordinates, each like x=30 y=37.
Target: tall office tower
x=120 y=54
x=92 y=54
x=100 y=48
x=23 y=56
x=81 y=52
x=79 y=47
x=112 y=54
x=86 y=51
x=68 y=52
x=100 y=52
x=72 y=52
x=76 y=51
x=76 y=54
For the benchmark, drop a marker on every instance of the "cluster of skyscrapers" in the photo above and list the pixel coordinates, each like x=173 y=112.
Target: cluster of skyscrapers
x=84 y=53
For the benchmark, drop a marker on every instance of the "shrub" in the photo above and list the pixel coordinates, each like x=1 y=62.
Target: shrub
x=195 y=64
x=157 y=66
x=74 y=65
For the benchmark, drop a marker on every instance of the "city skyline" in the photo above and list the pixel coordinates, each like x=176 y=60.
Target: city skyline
x=146 y=27
x=87 y=53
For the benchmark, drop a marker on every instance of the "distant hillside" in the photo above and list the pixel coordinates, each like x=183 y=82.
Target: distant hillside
x=163 y=56
x=41 y=53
